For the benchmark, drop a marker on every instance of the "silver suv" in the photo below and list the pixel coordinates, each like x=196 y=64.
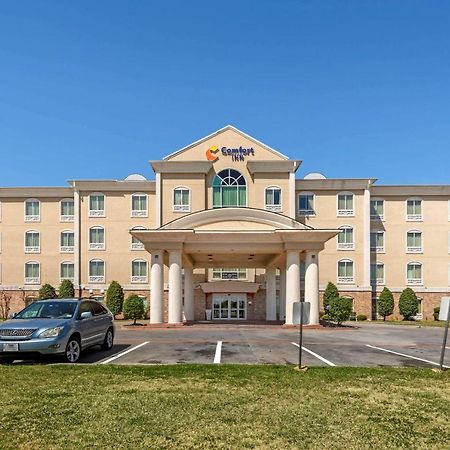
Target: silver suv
x=62 y=327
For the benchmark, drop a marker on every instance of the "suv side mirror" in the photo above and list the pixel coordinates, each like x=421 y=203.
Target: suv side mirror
x=85 y=315
x=12 y=315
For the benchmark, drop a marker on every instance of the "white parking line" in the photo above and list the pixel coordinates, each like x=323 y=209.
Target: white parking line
x=405 y=356
x=132 y=349
x=218 y=354
x=315 y=354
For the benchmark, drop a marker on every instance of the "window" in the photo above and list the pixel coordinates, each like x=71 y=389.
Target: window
x=67 y=242
x=345 y=271
x=345 y=204
x=273 y=199
x=413 y=209
x=345 y=238
x=139 y=205
x=32 y=210
x=181 y=199
x=302 y=270
x=136 y=244
x=32 y=242
x=67 y=271
x=97 y=308
x=96 y=205
x=32 y=273
x=414 y=273
x=229 y=189
x=229 y=274
x=67 y=210
x=377 y=241
x=96 y=271
x=96 y=238
x=414 y=241
x=377 y=209
x=419 y=315
x=139 y=271
x=377 y=273
x=306 y=203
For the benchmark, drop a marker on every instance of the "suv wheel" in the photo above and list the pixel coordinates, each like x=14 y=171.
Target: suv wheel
x=109 y=340
x=6 y=360
x=73 y=350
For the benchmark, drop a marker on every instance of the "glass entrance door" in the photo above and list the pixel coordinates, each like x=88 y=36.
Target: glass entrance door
x=230 y=306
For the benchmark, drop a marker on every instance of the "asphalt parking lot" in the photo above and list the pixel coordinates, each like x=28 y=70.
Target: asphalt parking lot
x=370 y=345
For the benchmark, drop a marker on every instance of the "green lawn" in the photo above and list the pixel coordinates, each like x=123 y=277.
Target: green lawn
x=414 y=323
x=222 y=407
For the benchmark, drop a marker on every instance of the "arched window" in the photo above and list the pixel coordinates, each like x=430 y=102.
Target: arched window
x=345 y=204
x=414 y=273
x=136 y=244
x=414 y=209
x=96 y=238
x=346 y=238
x=229 y=189
x=66 y=210
x=139 y=271
x=67 y=241
x=96 y=204
x=139 y=205
x=273 y=198
x=32 y=242
x=32 y=210
x=414 y=241
x=377 y=273
x=32 y=272
x=181 y=199
x=67 y=271
x=96 y=271
x=346 y=273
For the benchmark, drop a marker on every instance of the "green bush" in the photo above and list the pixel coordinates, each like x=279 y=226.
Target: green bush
x=340 y=309
x=331 y=292
x=361 y=317
x=66 y=289
x=385 y=304
x=436 y=312
x=133 y=308
x=114 y=298
x=324 y=316
x=47 y=291
x=408 y=304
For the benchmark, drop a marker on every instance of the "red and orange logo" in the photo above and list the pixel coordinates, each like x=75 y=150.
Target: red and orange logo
x=211 y=153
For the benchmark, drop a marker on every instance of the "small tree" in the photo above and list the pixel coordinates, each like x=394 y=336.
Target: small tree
x=133 y=308
x=340 y=309
x=66 y=289
x=5 y=305
x=47 y=291
x=114 y=298
x=385 y=304
x=408 y=304
x=331 y=292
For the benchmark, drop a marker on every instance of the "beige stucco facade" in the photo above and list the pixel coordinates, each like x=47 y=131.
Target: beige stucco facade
x=167 y=240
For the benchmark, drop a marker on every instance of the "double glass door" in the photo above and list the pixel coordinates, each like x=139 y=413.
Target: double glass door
x=230 y=306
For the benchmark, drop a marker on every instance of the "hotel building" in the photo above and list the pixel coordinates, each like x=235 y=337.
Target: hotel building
x=227 y=231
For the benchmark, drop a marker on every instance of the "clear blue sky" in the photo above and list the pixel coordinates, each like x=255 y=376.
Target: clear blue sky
x=96 y=89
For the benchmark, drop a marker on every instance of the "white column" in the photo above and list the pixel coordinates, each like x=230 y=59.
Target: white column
x=175 y=301
x=312 y=285
x=189 y=293
x=292 y=283
x=282 y=293
x=156 y=287
x=271 y=294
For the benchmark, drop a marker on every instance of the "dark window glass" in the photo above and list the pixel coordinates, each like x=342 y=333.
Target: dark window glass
x=97 y=308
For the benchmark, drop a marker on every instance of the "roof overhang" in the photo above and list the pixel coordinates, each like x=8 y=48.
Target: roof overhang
x=270 y=166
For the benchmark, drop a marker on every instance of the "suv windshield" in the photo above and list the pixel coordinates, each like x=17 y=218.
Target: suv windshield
x=48 y=310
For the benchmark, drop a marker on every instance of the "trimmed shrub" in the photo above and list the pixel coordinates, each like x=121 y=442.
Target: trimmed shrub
x=331 y=293
x=47 y=291
x=340 y=309
x=436 y=312
x=133 y=308
x=385 y=304
x=114 y=298
x=66 y=289
x=408 y=304
x=361 y=317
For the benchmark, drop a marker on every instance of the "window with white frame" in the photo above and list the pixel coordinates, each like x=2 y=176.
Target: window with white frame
x=377 y=273
x=96 y=271
x=377 y=209
x=96 y=205
x=136 y=244
x=414 y=241
x=97 y=238
x=345 y=204
x=346 y=271
x=67 y=210
x=32 y=210
x=32 y=242
x=414 y=273
x=139 y=205
x=413 y=209
x=139 y=271
x=377 y=241
x=32 y=272
x=67 y=271
x=306 y=203
x=345 y=238
x=229 y=274
x=181 y=199
x=273 y=198
x=67 y=242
